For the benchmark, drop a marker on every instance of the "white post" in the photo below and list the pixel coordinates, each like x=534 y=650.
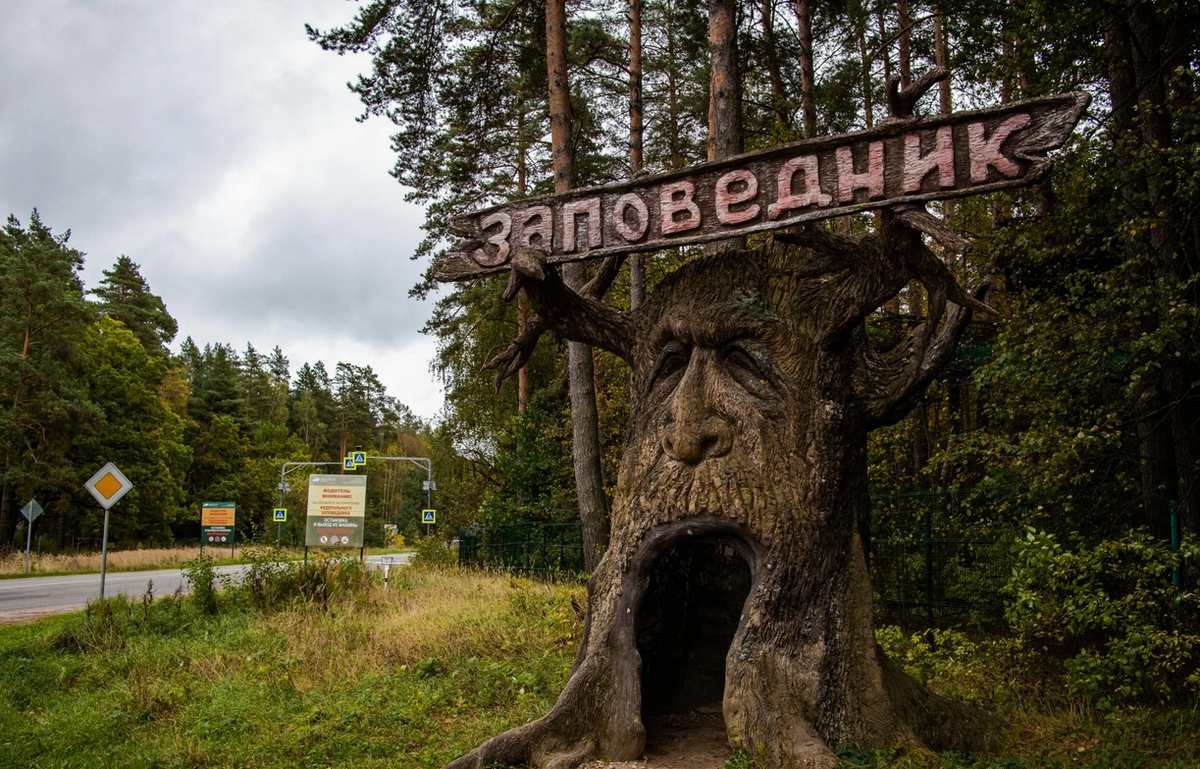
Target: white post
x=104 y=554
x=28 y=541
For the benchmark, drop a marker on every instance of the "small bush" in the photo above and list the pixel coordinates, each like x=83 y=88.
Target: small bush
x=432 y=551
x=202 y=578
x=1111 y=614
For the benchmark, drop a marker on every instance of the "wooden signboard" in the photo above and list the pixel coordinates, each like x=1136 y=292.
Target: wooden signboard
x=935 y=158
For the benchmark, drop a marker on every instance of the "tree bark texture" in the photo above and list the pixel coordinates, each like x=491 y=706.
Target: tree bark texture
x=585 y=445
x=754 y=388
x=774 y=73
x=905 y=20
x=725 y=136
x=725 y=94
x=637 y=265
x=808 y=99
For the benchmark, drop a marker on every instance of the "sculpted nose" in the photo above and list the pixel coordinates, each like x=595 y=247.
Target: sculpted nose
x=695 y=432
x=693 y=442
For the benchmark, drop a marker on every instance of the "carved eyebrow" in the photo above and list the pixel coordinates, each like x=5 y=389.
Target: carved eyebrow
x=671 y=348
x=759 y=352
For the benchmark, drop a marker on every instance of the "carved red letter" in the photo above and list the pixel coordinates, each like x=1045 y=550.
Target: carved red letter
x=871 y=181
x=544 y=229
x=668 y=206
x=986 y=152
x=499 y=240
x=640 y=211
x=725 y=198
x=786 y=201
x=942 y=158
x=590 y=207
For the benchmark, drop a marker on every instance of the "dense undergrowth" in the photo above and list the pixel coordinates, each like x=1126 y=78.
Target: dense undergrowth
x=317 y=665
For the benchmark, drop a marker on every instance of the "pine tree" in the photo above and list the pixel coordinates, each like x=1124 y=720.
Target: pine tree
x=42 y=316
x=125 y=296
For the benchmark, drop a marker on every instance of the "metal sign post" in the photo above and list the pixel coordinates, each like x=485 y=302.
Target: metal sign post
x=107 y=486
x=31 y=511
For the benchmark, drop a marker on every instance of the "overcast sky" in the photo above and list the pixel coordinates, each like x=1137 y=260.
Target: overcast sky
x=216 y=146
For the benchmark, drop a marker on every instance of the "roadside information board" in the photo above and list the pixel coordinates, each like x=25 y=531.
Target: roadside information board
x=216 y=522
x=337 y=508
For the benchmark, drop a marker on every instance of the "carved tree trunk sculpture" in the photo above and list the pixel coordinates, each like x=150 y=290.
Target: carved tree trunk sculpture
x=753 y=392
x=736 y=571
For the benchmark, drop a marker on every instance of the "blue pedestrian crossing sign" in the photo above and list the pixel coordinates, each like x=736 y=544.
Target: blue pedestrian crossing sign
x=429 y=516
x=348 y=463
x=359 y=457
x=281 y=514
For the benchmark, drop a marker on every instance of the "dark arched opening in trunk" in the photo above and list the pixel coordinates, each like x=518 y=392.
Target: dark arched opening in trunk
x=686 y=623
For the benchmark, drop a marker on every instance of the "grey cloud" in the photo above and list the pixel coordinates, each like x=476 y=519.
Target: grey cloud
x=216 y=146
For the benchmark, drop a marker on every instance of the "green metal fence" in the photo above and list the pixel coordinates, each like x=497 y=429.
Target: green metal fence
x=935 y=561
x=542 y=549
x=929 y=564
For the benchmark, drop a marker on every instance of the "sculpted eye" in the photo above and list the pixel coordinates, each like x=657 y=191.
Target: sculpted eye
x=672 y=360
x=744 y=367
x=739 y=358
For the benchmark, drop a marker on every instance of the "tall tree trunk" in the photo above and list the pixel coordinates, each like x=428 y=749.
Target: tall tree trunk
x=1135 y=36
x=8 y=519
x=673 y=107
x=885 y=50
x=725 y=138
x=593 y=507
x=725 y=93
x=945 y=106
x=778 y=96
x=865 y=64
x=524 y=386
x=637 y=264
x=905 y=19
x=808 y=100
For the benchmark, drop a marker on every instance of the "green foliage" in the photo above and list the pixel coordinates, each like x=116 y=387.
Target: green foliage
x=244 y=688
x=42 y=316
x=1111 y=613
x=202 y=583
x=133 y=428
x=126 y=297
x=436 y=552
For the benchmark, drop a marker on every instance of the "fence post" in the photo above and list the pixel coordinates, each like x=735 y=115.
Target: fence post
x=929 y=562
x=1176 y=573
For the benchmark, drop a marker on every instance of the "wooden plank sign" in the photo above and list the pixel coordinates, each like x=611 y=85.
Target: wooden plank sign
x=935 y=158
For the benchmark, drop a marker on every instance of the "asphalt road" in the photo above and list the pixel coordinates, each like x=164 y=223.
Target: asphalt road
x=31 y=597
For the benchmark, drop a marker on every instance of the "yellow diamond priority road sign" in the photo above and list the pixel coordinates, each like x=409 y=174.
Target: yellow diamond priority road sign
x=108 y=485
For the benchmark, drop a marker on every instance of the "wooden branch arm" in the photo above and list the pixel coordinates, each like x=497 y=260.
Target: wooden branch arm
x=902 y=101
x=598 y=286
x=897 y=394
x=557 y=308
x=834 y=252
x=923 y=221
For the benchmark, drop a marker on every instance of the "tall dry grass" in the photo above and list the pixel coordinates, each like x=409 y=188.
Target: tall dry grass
x=443 y=613
x=120 y=560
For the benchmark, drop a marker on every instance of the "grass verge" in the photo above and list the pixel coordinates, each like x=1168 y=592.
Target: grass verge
x=417 y=675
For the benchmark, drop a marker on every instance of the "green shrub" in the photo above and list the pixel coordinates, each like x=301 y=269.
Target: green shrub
x=1111 y=613
x=433 y=551
x=269 y=581
x=202 y=579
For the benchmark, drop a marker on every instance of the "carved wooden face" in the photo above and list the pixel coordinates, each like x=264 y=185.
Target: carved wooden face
x=715 y=416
